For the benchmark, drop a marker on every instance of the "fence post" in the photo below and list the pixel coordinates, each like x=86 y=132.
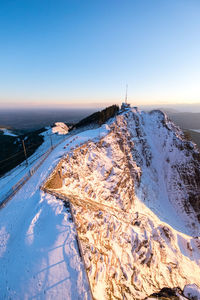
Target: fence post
x=25 y=152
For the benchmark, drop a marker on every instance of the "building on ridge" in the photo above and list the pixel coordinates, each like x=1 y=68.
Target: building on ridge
x=125 y=104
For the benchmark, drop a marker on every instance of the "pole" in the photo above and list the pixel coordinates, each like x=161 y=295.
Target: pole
x=25 y=152
x=126 y=93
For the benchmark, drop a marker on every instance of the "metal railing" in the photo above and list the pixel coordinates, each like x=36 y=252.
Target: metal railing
x=14 y=189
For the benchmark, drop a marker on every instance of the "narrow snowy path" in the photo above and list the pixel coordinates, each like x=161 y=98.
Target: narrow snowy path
x=13 y=176
x=39 y=258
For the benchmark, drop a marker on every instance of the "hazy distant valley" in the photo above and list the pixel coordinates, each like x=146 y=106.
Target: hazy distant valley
x=187 y=122
x=17 y=125
x=28 y=125
x=29 y=120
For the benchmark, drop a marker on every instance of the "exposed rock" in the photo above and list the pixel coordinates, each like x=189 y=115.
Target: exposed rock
x=136 y=196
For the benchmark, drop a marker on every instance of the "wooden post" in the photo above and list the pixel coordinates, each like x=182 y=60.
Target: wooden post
x=25 y=152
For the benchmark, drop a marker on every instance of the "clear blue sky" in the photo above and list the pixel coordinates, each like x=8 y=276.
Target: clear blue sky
x=62 y=52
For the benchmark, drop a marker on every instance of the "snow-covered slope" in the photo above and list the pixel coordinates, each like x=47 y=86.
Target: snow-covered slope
x=136 y=199
x=6 y=131
x=39 y=257
x=134 y=187
x=13 y=176
x=143 y=155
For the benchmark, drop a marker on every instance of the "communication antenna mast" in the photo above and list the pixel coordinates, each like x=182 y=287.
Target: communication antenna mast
x=126 y=94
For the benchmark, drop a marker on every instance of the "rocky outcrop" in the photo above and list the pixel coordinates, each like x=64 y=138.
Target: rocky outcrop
x=135 y=198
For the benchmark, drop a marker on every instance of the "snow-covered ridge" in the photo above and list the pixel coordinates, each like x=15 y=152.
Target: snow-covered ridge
x=136 y=199
x=39 y=257
x=6 y=131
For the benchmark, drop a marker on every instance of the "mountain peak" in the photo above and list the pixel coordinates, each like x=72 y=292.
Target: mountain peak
x=136 y=202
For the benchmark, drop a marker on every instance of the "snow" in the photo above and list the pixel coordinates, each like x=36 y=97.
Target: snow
x=192 y=292
x=133 y=249
x=7 y=132
x=47 y=267
x=13 y=176
x=39 y=254
x=159 y=178
x=60 y=128
x=135 y=237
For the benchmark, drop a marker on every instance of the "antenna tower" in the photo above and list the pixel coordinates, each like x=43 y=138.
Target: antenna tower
x=126 y=93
